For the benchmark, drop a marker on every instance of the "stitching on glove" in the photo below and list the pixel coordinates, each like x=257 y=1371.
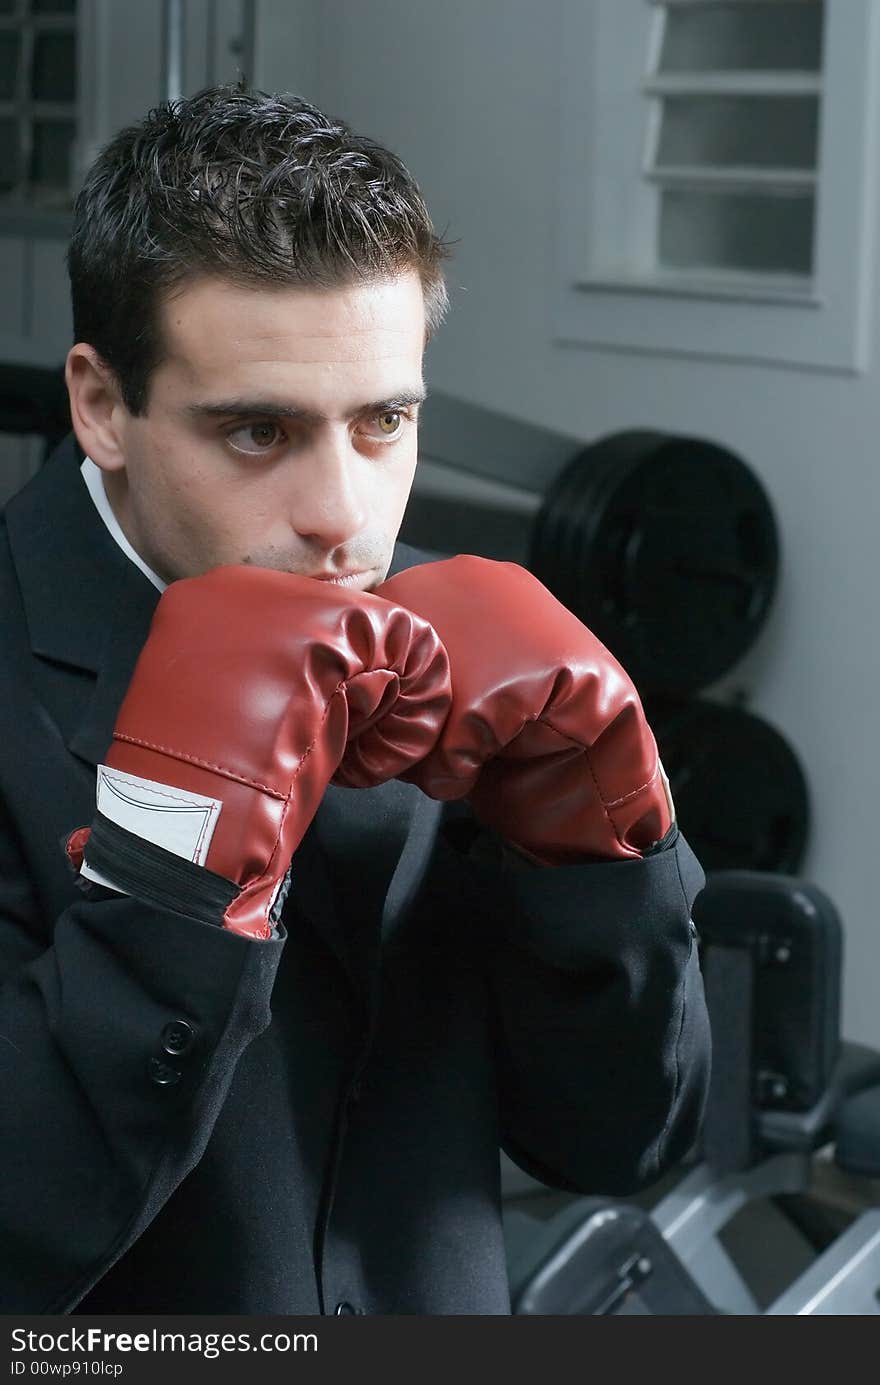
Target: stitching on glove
x=160 y=790
x=606 y=804
x=202 y=764
x=616 y=802
x=271 y=869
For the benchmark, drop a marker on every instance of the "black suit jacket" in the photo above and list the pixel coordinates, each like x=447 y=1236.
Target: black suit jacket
x=330 y=1134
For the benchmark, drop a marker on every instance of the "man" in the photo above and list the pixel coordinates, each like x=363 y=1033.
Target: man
x=382 y=874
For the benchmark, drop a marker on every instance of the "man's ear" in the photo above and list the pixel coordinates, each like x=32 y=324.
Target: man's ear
x=96 y=407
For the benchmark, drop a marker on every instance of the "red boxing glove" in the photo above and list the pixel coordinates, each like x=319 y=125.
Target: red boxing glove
x=254 y=689
x=546 y=736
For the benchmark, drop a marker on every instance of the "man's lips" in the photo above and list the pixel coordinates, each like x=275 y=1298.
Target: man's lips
x=343 y=579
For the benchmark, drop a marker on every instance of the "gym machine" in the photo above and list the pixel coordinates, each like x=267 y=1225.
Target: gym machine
x=784 y=1092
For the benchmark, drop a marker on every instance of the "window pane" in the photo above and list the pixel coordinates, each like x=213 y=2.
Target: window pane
x=53 y=76
x=744 y=231
x=754 y=131
x=9 y=154
x=50 y=159
x=10 y=47
x=737 y=37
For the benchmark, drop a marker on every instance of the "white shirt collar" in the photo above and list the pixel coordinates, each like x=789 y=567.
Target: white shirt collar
x=91 y=474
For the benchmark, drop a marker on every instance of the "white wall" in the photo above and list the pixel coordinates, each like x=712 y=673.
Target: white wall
x=468 y=93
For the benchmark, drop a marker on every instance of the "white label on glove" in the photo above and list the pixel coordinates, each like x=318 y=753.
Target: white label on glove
x=177 y=819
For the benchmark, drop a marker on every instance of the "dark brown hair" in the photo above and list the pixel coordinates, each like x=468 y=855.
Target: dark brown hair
x=260 y=190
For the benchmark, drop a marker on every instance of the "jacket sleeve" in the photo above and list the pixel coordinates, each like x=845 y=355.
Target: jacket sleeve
x=601 y=1030
x=120 y=1028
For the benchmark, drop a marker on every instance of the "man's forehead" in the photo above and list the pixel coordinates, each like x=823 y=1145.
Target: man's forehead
x=376 y=317
x=320 y=352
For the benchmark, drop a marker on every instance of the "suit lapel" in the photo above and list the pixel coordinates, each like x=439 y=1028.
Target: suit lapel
x=124 y=638
x=74 y=578
x=88 y=608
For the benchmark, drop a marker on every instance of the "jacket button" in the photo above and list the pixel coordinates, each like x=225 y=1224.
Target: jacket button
x=163 y=1074
x=344 y=1309
x=178 y=1037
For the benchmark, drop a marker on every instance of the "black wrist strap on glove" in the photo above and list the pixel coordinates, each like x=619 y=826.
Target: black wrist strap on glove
x=156 y=876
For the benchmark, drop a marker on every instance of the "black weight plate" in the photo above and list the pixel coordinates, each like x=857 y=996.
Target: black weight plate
x=667 y=548
x=740 y=794
x=564 y=524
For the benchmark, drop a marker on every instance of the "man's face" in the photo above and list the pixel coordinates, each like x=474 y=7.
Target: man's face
x=280 y=430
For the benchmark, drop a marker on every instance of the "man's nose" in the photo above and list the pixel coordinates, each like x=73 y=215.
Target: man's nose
x=328 y=505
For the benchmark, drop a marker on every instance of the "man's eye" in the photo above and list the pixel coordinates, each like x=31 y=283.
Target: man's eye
x=387 y=425
x=255 y=438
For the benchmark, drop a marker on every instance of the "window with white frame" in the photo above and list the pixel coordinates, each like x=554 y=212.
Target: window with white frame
x=38 y=102
x=733 y=103
x=716 y=179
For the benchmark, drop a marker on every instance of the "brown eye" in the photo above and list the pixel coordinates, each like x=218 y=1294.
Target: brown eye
x=389 y=423
x=263 y=434
x=254 y=438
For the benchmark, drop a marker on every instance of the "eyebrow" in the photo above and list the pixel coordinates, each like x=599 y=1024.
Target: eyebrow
x=265 y=408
